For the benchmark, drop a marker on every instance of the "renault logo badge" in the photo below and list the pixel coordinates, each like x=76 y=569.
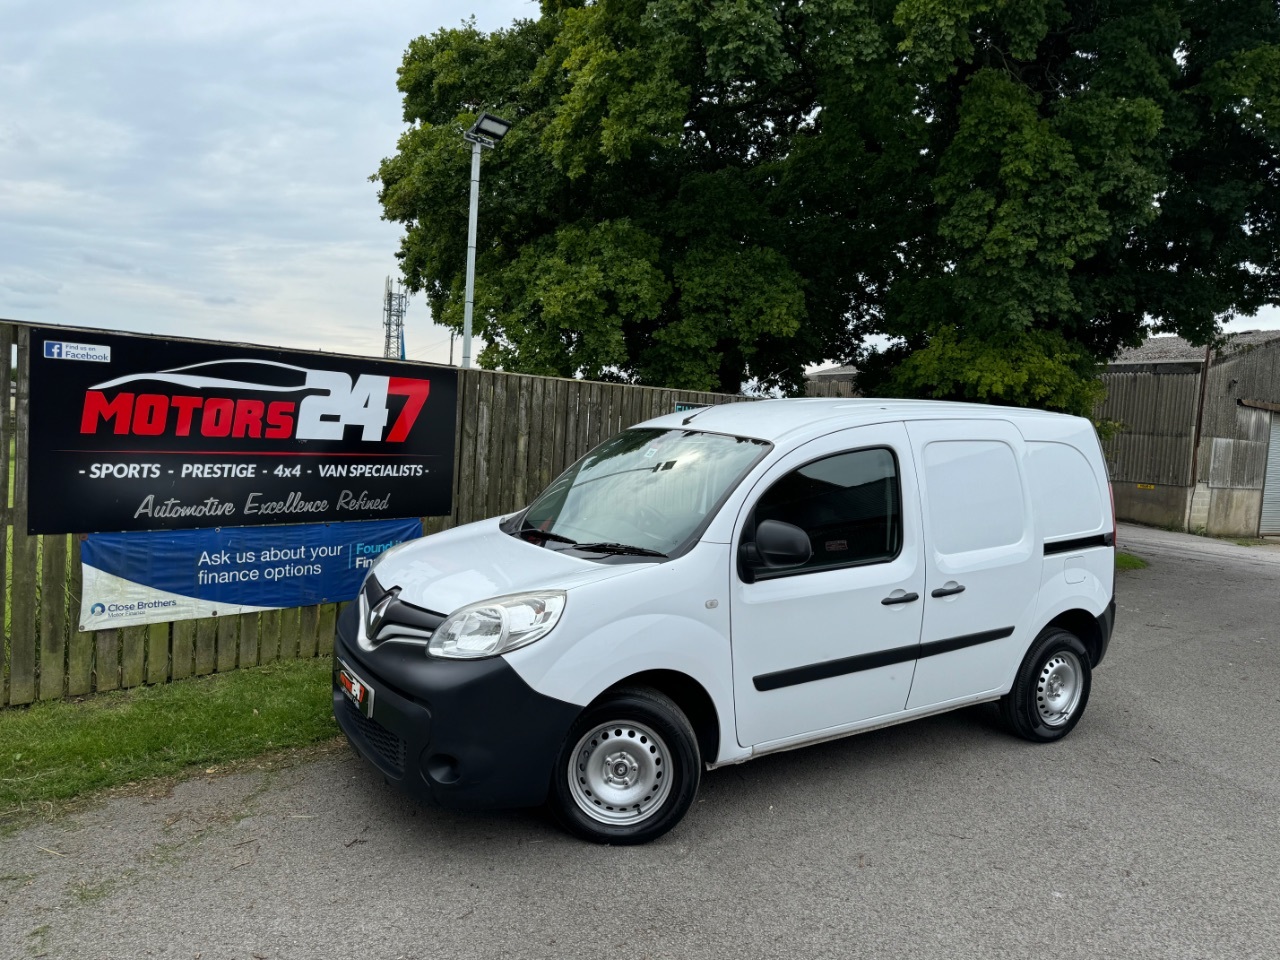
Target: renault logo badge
x=374 y=619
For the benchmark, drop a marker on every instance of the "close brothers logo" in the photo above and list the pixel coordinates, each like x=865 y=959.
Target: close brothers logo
x=333 y=403
x=137 y=608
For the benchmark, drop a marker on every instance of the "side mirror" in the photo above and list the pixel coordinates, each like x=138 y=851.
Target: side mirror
x=777 y=544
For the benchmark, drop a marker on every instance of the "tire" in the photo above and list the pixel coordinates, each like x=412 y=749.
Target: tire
x=1051 y=689
x=628 y=770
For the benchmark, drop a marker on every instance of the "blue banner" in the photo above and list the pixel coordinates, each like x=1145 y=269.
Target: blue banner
x=155 y=577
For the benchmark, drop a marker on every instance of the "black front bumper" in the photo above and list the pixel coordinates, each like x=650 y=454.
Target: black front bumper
x=460 y=733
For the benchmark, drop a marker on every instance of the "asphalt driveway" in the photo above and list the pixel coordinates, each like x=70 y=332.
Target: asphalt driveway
x=1152 y=831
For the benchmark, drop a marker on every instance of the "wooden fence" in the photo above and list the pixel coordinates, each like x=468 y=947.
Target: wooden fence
x=835 y=389
x=515 y=434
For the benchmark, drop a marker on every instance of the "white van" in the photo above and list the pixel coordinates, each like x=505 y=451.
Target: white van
x=715 y=585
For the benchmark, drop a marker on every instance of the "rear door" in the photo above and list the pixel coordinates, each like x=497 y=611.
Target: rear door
x=982 y=557
x=817 y=647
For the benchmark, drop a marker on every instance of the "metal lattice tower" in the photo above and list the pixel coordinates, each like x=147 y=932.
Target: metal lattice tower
x=394 y=302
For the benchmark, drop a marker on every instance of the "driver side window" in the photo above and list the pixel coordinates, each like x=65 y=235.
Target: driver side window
x=848 y=505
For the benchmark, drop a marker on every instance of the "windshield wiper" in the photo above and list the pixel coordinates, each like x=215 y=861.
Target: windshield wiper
x=532 y=532
x=625 y=549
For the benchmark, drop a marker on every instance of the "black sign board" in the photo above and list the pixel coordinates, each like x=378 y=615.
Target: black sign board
x=142 y=433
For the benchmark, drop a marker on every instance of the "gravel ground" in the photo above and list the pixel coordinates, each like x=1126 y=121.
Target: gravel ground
x=1152 y=831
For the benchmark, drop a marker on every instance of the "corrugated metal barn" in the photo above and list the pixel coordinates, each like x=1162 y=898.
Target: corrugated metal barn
x=1197 y=452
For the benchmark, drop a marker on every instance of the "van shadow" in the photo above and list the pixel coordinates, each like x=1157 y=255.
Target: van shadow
x=863 y=768
x=946 y=737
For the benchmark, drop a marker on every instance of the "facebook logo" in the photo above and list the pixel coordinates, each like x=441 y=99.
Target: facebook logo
x=61 y=350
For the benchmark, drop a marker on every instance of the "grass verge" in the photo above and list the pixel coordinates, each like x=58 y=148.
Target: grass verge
x=1127 y=561
x=59 y=749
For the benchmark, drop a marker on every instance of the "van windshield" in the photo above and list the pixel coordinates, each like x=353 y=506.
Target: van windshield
x=644 y=492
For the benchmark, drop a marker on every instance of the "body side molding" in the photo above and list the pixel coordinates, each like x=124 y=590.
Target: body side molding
x=870 y=661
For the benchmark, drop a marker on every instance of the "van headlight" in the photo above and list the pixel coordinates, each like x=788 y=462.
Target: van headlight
x=497 y=626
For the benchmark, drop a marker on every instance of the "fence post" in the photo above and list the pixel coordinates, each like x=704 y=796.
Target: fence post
x=25 y=573
x=6 y=437
x=81 y=642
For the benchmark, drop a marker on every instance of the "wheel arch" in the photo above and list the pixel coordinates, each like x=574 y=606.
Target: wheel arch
x=1085 y=626
x=690 y=696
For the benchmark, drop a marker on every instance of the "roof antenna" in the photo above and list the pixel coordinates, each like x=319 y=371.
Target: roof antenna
x=685 y=421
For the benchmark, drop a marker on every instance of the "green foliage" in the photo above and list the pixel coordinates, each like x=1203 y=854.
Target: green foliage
x=697 y=193
x=571 y=293
x=1034 y=367
x=1127 y=561
x=1108 y=429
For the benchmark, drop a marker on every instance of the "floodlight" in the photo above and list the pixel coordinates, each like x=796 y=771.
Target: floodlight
x=487 y=130
x=487 y=125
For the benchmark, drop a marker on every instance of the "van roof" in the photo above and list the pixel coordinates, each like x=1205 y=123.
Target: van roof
x=774 y=419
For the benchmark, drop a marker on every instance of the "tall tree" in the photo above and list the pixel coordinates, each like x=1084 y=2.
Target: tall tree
x=700 y=192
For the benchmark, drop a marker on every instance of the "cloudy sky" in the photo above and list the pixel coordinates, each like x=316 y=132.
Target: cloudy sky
x=201 y=169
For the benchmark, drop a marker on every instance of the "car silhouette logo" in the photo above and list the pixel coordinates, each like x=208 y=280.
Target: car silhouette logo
x=268 y=376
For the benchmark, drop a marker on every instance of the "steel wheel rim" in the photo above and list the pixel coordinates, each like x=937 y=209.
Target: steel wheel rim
x=1059 y=688
x=620 y=773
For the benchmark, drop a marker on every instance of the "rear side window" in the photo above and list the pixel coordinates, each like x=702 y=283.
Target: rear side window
x=849 y=505
x=975 y=495
x=1066 y=490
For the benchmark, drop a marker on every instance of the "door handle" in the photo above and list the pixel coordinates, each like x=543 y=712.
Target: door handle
x=905 y=598
x=948 y=591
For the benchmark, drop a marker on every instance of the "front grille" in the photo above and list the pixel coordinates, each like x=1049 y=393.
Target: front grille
x=396 y=620
x=383 y=742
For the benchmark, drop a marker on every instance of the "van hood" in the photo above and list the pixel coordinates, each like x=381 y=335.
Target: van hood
x=446 y=571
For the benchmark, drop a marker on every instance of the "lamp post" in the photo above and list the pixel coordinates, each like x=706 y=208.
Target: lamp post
x=483 y=135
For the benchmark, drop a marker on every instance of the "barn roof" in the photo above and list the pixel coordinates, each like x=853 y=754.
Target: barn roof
x=1166 y=349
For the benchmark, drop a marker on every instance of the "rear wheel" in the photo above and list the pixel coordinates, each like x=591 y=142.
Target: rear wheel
x=1051 y=689
x=628 y=770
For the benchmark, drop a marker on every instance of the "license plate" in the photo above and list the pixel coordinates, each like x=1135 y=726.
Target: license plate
x=357 y=691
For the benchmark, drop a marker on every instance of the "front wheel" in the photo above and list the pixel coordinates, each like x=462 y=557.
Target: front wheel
x=1051 y=689
x=628 y=770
